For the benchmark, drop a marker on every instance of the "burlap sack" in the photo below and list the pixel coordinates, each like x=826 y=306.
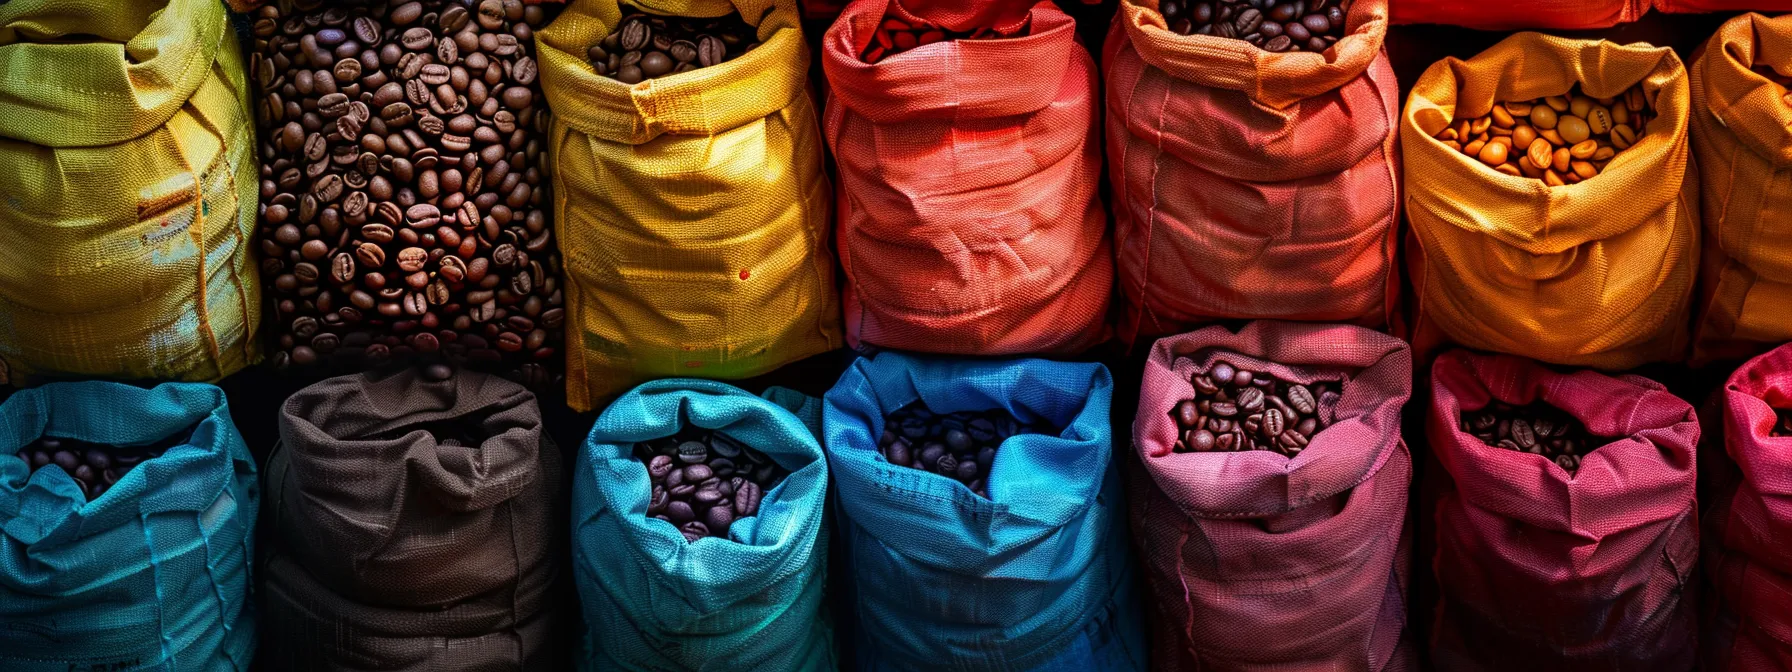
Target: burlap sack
x=1747 y=564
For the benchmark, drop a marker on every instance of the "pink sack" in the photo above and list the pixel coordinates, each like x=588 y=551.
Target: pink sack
x=1256 y=560
x=1540 y=570
x=1748 y=560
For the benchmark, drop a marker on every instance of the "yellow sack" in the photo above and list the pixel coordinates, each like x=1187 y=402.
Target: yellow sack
x=128 y=190
x=691 y=209
x=1595 y=274
x=1742 y=137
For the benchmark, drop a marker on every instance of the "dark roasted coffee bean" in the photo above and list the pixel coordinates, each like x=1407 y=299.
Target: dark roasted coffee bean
x=964 y=443
x=1538 y=429
x=1247 y=409
x=655 y=47
x=690 y=480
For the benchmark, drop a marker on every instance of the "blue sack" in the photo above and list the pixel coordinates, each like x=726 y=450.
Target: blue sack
x=1036 y=577
x=653 y=601
x=152 y=575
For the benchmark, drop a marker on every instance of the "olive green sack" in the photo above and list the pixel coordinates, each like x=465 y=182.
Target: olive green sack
x=128 y=187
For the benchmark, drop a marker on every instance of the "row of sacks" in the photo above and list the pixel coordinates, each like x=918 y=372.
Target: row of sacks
x=1563 y=14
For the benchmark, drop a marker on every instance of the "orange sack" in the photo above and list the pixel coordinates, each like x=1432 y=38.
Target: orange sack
x=969 y=220
x=1596 y=274
x=1699 y=6
x=1742 y=138
x=1250 y=184
x=1519 y=14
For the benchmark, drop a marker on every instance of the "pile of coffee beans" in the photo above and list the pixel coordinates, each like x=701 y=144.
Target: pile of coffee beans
x=960 y=446
x=1538 y=429
x=1236 y=409
x=1273 y=25
x=403 y=201
x=96 y=467
x=895 y=36
x=704 y=480
x=645 y=46
x=1558 y=139
x=1784 y=426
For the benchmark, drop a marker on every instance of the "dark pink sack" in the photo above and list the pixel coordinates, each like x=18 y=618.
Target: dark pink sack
x=1539 y=570
x=1748 y=530
x=1257 y=560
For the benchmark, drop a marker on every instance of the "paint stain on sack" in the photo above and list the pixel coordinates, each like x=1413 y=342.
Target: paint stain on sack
x=744 y=274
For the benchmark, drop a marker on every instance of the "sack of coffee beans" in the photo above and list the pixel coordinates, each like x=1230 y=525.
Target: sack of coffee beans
x=414 y=523
x=152 y=571
x=1544 y=567
x=697 y=531
x=693 y=206
x=993 y=245
x=1597 y=273
x=404 y=210
x=128 y=165
x=1252 y=184
x=1269 y=495
x=1521 y=14
x=1027 y=569
x=1744 y=467
x=1742 y=138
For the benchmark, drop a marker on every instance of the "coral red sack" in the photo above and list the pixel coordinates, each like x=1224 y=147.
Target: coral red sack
x=1259 y=561
x=1521 y=14
x=969 y=222
x=1698 y=6
x=1542 y=570
x=1250 y=184
x=1748 y=563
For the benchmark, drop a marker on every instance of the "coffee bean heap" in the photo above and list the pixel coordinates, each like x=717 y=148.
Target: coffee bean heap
x=96 y=467
x=1558 y=139
x=895 y=36
x=403 y=205
x=1273 y=25
x=1538 y=429
x=705 y=480
x=960 y=446
x=645 y=46
x=1236 y=410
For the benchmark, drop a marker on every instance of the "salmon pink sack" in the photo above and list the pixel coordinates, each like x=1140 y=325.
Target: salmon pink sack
x=1539 y=569
x=1260 y=561
x=1521 y=14
x=1748 y=564
x=1251 y=184
x=969 y=222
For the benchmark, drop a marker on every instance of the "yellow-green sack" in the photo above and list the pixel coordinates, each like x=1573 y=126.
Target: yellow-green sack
x=128 y=191
x=692 y=208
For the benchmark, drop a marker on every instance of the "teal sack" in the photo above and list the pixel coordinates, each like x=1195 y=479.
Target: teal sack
x=653 y=601
x=152 y=575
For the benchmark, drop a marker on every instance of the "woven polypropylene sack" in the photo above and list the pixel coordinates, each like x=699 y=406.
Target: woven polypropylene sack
x=1743 y=143
x=1598 y=273
x=1701 y=6
x=1540 y=569
x=752 y=601
x=153 y=575
x=692 y=208
x=1520 y=14
x=128 y=167
x=1037 y=576
x=1250 y=184
x=389 y=551
x=969 y=219
x=1747 y=563
x=1315 y=549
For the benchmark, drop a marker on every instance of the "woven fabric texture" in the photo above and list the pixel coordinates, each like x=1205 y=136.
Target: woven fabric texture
x=1250 y=184
x=1315 y=548
x=692 y=209
x=1036 y=577
x=653 y=601
x=127 y=161
x=1520 y=14
x=969 y=220
x=1742 y=138
x=1699 y=6
x=1747 y=563
x=1596 y=274
x=389 y=551
x=1544 y=570
x=153 y=575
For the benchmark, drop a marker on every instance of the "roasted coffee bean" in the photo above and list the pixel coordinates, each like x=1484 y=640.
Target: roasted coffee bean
x=375 y=211
x=1288 y=25
x=1538 y=428
x=648 y=46
x=960 y=446
x=1560 y=140
x=697 y=485
x=1236 y=408
x=895 y=36
x=95 y=467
